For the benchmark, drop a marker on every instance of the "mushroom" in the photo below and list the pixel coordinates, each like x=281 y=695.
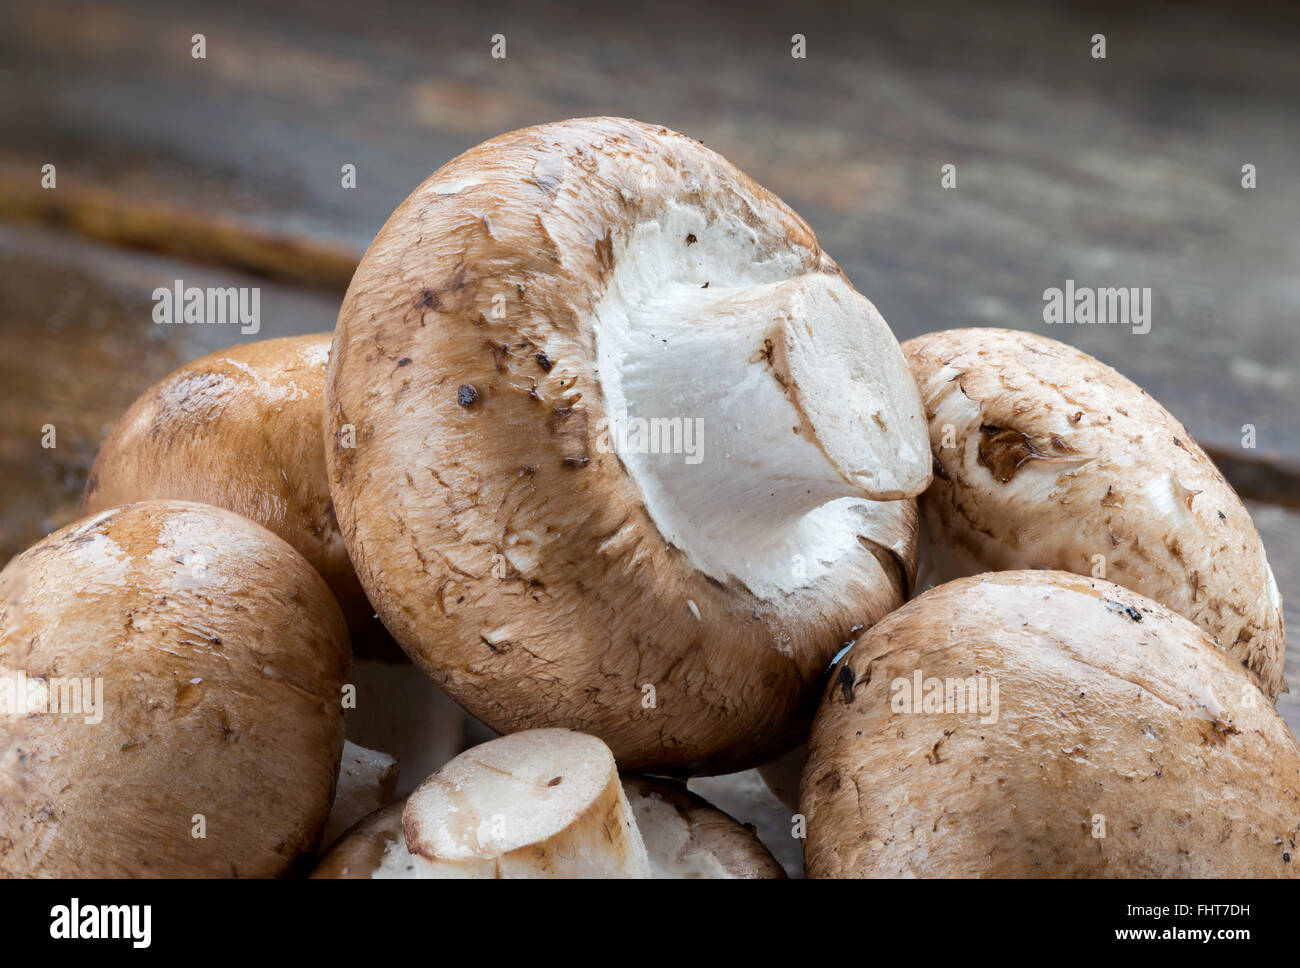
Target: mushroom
x=684 y=836
x=1043 y=724
x=215 y=656
x=543 y=803
x=687 y=837
x=239 y=429
x=631 y=454
x=1046 y=458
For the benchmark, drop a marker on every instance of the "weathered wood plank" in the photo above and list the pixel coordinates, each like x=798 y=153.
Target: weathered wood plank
x=78 y=344
x=1117 y=172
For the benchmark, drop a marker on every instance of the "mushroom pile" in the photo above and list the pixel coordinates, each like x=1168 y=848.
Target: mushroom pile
x=607 y=456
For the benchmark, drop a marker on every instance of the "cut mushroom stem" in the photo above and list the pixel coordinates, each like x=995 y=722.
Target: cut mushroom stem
x=540 y=803
x=752 y=400
x=684 y=835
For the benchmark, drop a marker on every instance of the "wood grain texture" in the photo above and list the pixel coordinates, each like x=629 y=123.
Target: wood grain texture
x=1123 y=171
x=78 y=344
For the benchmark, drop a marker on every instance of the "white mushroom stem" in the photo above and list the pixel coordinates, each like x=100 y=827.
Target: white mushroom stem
x=540 y=803
x=749 y=399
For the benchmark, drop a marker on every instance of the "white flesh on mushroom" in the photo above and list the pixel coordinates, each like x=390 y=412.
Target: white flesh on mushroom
x=540 y=803
x=805 y=399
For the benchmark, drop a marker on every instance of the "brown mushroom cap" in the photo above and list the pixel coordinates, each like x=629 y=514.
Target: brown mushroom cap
x=1120 y=742
x=239 y=429
x=1048 y=458
x=221 y=655
x=687 y=837
x=682 y=613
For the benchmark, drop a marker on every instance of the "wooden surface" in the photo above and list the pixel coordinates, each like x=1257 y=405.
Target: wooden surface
x=1122 y=172
x=78 y=344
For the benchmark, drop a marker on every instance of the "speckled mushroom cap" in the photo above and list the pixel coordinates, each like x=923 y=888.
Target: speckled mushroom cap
x=221 y=655
x=1047 y=458
x=510 y=323
x=1042 y=724
x=240 y=429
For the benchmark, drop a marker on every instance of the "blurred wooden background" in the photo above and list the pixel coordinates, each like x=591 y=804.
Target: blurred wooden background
x=226 y=171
